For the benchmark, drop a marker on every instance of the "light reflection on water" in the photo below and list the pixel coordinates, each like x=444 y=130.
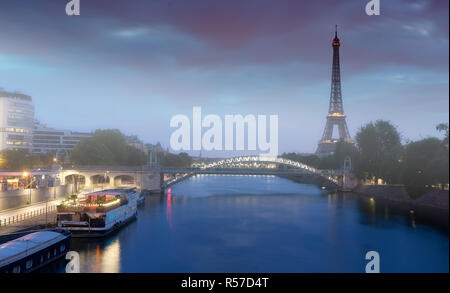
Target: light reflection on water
x=263 y=224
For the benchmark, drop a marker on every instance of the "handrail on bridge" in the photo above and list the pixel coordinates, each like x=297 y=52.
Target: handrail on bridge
x=220 y=167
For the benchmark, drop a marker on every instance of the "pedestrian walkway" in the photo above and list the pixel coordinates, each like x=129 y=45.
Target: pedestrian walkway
x=40 y=222
x=14 y=216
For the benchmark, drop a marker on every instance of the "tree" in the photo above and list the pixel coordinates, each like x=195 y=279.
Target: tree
x=380 y=150
x=107 y=147
x=175 y=160
x=22 y=159
x=443 y=127
x=426 y=163
x=310 y=160
x=343 y=150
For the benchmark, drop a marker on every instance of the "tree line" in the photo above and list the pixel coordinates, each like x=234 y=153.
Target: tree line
x=379 y=154
x=106 y=147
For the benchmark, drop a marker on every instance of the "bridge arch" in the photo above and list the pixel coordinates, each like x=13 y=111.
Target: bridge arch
x=123 y=179
x=256 y=159
x=99 y=179
x=75 y=178
x=258 y=165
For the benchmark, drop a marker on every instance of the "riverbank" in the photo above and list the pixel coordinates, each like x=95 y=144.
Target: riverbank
x=431 y=207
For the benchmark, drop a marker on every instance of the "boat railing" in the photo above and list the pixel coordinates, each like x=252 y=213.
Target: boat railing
x=89 y=208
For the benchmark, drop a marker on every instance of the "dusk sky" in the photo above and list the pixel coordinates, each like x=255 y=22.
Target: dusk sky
x=132 y=65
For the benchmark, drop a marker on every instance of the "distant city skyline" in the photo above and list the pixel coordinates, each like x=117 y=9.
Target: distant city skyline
x=133 y=66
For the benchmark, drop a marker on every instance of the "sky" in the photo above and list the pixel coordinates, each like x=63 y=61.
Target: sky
x=134 y=64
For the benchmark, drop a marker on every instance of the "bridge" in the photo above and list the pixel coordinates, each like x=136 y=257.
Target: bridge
x=157 y=178
x=256 y=165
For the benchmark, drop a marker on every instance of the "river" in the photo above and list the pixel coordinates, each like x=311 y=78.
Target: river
x=216 y=223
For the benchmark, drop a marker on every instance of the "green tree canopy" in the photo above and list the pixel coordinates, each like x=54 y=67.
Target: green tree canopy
x=380 y=150
x=22 y=159
x=174 y=160
x=443 y=127
x=107 y=147
x=310 y=160
x=426 y=163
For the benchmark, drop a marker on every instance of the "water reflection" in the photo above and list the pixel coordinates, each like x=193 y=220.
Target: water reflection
x=264 y=224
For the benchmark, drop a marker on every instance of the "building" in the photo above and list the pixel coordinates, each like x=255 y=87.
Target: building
x=20 y=130
x=336 y=115
x=134 y=141
x=47 y=139
x=16 y=120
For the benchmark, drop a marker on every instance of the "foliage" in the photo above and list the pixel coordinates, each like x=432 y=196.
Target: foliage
x=335 y=161
x=310 y=160
x=426 y=163
x=174 y=160
x=22 y=159
x=443 y=127
x=380 y=151
x=107 y=147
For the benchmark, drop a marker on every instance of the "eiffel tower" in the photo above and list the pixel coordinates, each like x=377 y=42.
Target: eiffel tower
x=336 y=116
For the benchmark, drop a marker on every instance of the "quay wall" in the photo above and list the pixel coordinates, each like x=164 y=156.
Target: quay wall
x=18 y=198
x=317 y=180
x=432 y=206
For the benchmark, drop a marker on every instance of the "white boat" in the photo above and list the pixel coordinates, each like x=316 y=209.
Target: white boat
x=141 y=198
x=98 y=213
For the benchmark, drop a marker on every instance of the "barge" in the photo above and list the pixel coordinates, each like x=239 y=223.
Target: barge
x=98 y=213
x=33 y=251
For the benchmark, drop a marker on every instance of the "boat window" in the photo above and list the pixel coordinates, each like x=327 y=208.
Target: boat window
x=54 y=252
x=29 y=264
x=16 y=269
x=62 y=248
x=48 y=255
x=42 y=258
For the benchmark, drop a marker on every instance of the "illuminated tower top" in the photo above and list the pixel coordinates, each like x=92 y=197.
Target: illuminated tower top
x=336 y=41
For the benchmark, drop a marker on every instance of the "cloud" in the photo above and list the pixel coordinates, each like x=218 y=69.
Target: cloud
x=164 y=56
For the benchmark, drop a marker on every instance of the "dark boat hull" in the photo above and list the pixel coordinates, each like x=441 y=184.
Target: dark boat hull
x=97 y=234
x=40 y=258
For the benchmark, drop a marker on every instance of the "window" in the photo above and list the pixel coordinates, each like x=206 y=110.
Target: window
x=54 y=252
x=42 y=258
x=16 y=270
x=29 y=264
x=62 y=248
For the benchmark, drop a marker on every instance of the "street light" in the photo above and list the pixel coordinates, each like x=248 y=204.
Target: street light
x=26 y=174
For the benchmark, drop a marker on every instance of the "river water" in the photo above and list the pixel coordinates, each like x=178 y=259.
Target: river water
x=216 y=223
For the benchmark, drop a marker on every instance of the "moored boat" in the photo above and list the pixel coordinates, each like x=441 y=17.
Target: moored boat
x=34 y=250
x=141 y=198
x=98 y=213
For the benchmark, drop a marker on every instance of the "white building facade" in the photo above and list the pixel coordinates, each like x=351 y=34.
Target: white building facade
x=20 y=130
x=16 y=121
x=52 y=140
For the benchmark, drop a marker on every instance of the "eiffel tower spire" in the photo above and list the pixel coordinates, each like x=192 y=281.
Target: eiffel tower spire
x=336 y=116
